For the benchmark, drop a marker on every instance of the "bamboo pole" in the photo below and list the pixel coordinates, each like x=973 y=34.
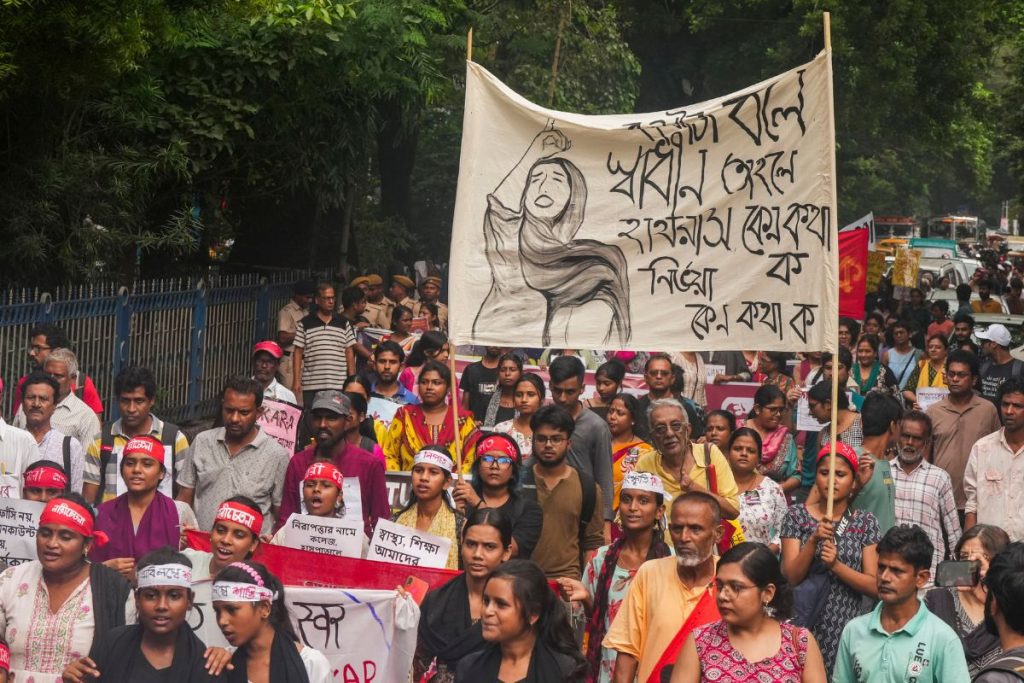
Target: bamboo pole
x=469 y=45
x=455 y=408
x=833 y=425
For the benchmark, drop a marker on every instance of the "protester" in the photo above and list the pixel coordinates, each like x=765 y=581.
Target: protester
x=902 y=358
x=671 y=596
x=590 y=449
x=251 y=612
x=900 y=639
x=869 y=373
x=387 y=365
x=626 y=447
x=658 y=377
x=353 y=305
x=528 y=634
x=71 y=416
x=831 y=564
x=161 y=647
x=332 y=419
x=570 y=498
x=941 y=324
x=876 y=492
x=479 y=381
x=142 y=519
x=610 y=572
x=430 y=423
x=963 y=607
x=849 y=332
x=529 y=396
x=322 y=496
x=931 y=371
x=44 y=480
x=496 y=473
x=991 y=480
x=924 y=492
x=38 y=402
x=849 y=424
x=288 y=319
x=501 y=406
x=401 y=329
x=52 y=609
x=450 y=616
x=607 y=385
x=737 y=364
x=234 y=536
x=366 y=431
x=429 y=508
x=720 y=424
x=135 y=389
x=432 y=345
x=236 y=459
x=772 y=371
x=683 y=465
x=998 y=365
x=985 y=303
x=694 y=376
x=753 y=640
x=762 y=500
x=963 y=329
x=779 y=461
x=959 y=420
x=1004 y=616
x=43 y=339
x=323 y=356
x=266 y=362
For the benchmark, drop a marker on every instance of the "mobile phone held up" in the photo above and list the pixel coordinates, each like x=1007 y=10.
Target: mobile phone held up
x=958 y=574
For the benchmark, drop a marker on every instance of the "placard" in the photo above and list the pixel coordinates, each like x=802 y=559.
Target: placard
x=399 y=484
x=19 y=520
x=395 y=543
x=328 y=535
x=928 y=396
x=280 y=420
x=805 y=422
x=382 y=410
x=736 y=397
x=712 y=370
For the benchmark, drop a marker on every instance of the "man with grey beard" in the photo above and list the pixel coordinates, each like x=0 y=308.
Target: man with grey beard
x=655 y=618
x=924 y=492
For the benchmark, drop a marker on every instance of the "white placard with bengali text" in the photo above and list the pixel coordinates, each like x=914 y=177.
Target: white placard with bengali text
x=395 y=543
x=382 y=410
x=19 y=520
x=711 y=370
x=926 y=396
x=329 y=535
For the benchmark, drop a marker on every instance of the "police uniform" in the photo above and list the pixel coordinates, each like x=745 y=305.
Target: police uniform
x=287 y=321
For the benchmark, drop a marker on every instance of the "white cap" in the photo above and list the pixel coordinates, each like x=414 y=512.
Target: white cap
x=995 y=333
x=643 y=481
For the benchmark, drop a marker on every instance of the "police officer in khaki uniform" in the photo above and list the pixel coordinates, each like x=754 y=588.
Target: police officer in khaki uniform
x=378 y=307
x=287 y=321
x=401 y=291
x=430 y=290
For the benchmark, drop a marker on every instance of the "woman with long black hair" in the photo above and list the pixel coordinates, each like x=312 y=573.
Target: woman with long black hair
x=429 y=509
x=527 y=630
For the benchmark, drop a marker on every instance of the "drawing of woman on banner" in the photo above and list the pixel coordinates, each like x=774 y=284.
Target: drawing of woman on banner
x=531 y=220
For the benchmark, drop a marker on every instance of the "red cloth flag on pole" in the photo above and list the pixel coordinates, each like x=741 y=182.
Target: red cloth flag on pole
x=853 y=270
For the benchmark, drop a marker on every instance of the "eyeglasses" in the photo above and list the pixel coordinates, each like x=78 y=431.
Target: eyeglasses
x=731 y=588
x=502 y=460
x=957 y=375
x=774 y=410
x=36 y=348
x=662 y=430
x=553 y=440
x=659 y=373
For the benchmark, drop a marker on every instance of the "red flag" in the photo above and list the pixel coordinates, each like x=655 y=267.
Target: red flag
x=853 y=271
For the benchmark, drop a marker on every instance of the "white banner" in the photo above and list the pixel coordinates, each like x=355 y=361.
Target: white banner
x=392 y=542
x=699 y=228
x=868 y=222
x=19 y=520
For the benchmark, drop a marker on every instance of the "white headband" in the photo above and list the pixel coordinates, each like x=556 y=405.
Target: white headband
x=165 y=575
x=643 y=481
x=231 y=591
x=431 y=457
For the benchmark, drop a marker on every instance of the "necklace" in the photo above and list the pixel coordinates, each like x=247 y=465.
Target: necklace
x=750 y=487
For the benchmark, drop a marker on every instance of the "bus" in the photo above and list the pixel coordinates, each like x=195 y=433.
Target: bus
x=903 y=227
x=956 y=228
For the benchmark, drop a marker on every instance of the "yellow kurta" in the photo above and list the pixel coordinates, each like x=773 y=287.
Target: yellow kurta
x=651 y=462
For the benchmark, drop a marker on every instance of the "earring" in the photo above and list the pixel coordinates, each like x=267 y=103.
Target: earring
x=768 y=610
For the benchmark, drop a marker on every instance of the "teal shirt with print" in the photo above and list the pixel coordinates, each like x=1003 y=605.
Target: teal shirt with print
x=879 y=495
x=925 y=650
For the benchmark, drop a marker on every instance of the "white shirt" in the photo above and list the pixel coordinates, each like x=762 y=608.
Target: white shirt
x=278 y=392
x=994 y=484
x=52 y=448
x=72 y=417
x=18 y=449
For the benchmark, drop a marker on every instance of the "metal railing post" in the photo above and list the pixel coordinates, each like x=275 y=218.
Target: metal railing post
x=122 y=342
x=197 y=342
x=262 y=330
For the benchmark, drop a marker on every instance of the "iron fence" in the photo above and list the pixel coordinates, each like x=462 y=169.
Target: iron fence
x=191 y=334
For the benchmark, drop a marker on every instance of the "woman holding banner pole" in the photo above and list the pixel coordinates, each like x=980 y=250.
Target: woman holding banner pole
x=450 y=615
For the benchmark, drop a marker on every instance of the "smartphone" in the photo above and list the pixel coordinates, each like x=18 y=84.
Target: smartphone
x=954 y=573
x=416 y=588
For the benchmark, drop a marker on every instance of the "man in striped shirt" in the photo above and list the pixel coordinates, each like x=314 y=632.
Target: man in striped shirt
x=323 y=351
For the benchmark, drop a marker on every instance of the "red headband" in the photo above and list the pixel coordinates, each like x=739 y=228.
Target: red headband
x=5 y=657
x=70 y=514
x=46 y=478
x=144 y=445
x=326 y=471
x=844 y=451
x=241 y=514
x=500 y=443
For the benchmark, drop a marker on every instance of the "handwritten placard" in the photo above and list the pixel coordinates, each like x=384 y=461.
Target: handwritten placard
x=805 y=422
x=395 y=543
x=328 y=535
x=928 y=396
x=19 y=520
x=382 y=410
x=280 y=420
x=712 y=370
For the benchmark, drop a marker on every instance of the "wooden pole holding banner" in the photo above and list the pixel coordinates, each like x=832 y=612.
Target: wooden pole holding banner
x=833 y=425
x=469 y=45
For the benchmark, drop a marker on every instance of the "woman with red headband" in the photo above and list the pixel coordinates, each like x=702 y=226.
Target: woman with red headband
x=496 y=485
x=142 y=518
x=52 y=608
x=321 y=497
x=831 y=563
x=43 y=481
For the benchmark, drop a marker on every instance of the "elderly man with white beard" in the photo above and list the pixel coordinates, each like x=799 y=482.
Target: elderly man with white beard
x=671 y=596
x=924 y=492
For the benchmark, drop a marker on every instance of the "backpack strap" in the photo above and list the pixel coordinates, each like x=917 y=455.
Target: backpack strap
x=1018 y=368
x=589 y=488
x=106 y=453
x=169 y=437
x=1007 y=663
x=67 y=455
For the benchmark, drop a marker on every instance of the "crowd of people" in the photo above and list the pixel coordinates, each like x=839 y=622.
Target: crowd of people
x=611 y=530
